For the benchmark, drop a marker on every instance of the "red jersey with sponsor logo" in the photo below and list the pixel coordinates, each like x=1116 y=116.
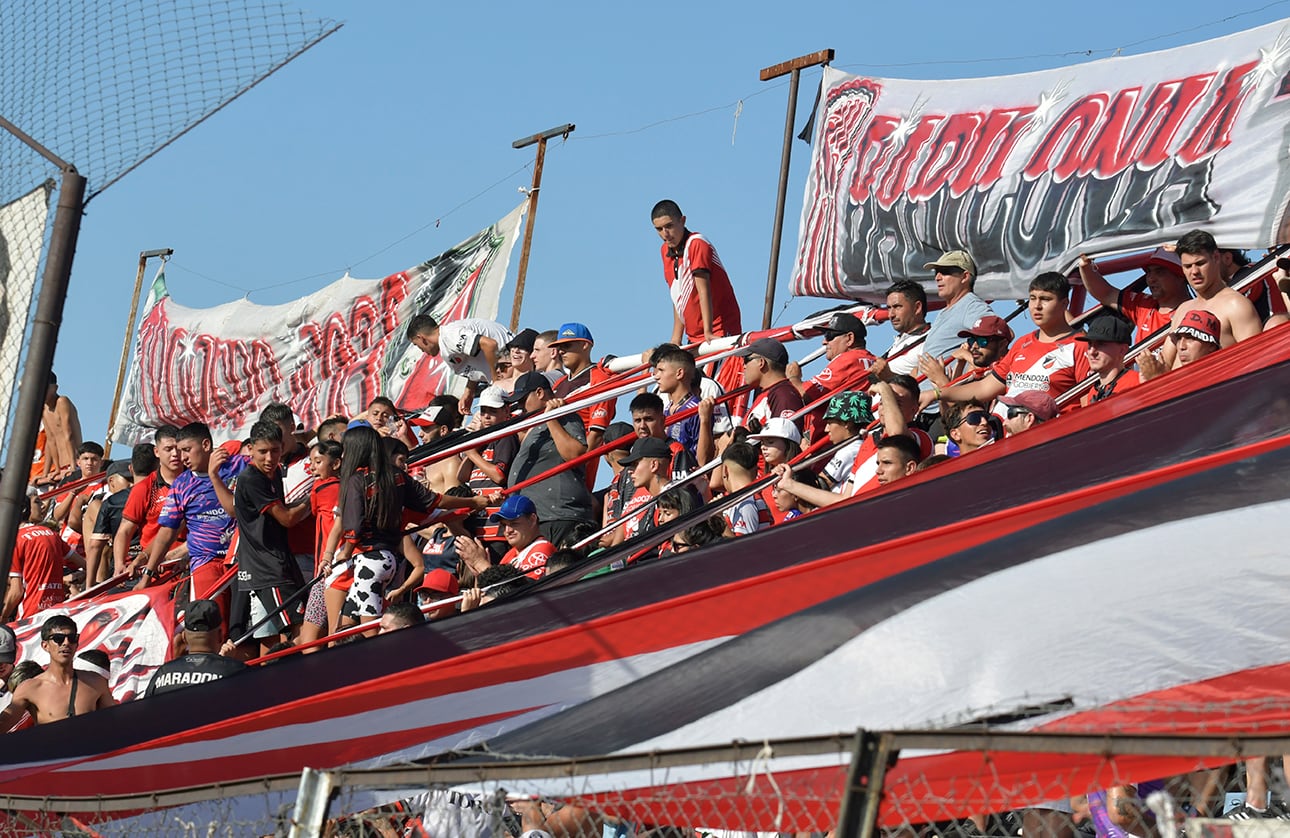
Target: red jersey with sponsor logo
x=38 y=559
x=848 y=371
x=779 y=399
x=596 y=417
x=1033 y=364
x=698 y=254
x=532 y=559
x=143 y=507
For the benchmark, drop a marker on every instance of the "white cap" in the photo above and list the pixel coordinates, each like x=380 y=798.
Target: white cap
x=493 y=396
x=778 y=428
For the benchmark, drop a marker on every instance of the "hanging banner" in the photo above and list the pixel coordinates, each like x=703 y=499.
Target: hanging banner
x=1026 y=172
x=22 y=233
x=328 y=353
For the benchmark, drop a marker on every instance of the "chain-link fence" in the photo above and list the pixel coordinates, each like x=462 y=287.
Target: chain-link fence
x=913 y=784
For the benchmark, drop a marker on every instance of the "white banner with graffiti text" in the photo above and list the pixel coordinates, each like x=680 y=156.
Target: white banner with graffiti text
x=330 y=352
x=1028 y=171
x=22 y=234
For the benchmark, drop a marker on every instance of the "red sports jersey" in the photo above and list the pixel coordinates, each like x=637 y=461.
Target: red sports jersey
x=143 y=507
x=1032 y=364
x=38 y=559
x=779 y=399
x=848 y=371
x=697 y=254
x=864 y=474
x=532 y=559
x=1127 y=380
x=1144 y=311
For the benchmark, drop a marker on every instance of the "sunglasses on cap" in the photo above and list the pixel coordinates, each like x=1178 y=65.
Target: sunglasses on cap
x=976 y=417
x=60 y=639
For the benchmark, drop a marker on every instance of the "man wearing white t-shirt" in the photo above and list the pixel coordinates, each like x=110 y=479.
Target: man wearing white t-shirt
x=469 y=347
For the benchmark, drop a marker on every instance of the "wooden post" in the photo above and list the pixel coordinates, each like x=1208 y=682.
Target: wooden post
x=144 y=256
x=795 y=67
x=540 y=139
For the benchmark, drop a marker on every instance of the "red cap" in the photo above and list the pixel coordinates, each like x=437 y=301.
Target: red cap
x=440 y=581
x=1201 y=325
x=990 y=326
x=233 y=447
x=1038 y=402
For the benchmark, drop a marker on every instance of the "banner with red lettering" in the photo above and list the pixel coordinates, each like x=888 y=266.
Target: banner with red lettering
x=330 y=352
x=1026 y=172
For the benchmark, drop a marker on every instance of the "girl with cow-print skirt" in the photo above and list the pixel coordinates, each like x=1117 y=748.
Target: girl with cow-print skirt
x=376 y=501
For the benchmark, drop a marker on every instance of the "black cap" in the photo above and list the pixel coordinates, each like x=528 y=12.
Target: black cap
x=618 y=430
x=120 y=468
x=1108 y=327
x=527 y=383
x=202 y=615
x=771 y=350
x=524 y=340
x=648 y=447
x=841 y=323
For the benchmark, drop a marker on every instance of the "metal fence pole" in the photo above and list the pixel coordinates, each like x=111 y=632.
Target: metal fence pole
x=863 y=792
x=40 y=358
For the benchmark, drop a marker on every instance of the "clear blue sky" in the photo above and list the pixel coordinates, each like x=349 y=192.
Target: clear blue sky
x=411 y=108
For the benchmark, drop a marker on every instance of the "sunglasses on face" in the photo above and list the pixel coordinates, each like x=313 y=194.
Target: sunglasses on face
x=978 y=417
x=979 y=342
x=1014 y=412
x=60 y=639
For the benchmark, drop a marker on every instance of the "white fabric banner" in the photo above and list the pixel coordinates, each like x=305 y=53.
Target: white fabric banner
x=22 y=234
x=1026 y=172
x=330 y=352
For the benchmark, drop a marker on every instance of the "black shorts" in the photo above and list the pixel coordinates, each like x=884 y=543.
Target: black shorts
x=269 y=602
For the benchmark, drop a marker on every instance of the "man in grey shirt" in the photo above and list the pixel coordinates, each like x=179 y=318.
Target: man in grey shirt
x=955 y=275
x=562 y=500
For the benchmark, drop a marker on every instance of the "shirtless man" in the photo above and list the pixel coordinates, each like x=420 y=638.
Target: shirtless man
x=1203 y=268
x=59 y=692
x=61 y=427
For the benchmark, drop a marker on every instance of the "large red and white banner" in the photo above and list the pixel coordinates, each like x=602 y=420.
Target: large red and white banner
x=330 y=352
x=1026 y=172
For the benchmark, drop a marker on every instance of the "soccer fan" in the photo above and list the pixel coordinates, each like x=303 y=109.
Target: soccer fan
x=845 y=418
x=468 y=346
x=1202 y=266
x=332 y=428
x=897 y=404
x=1045 y=359
x=70 y=507
x=1106 y=343
x=518 y=520
x=1197 y=334
x=519 y=352
x=984 y=343
x=267 y=569
x=60 y=692
x=1147 y=312
x=898 y=457
x=968 y=425
x=36 y=573
x=107 y=513
x=573 y=341
x=1025 y=410
x=765 y=370
x=779 y=441
x=791 y=506
x=648 y=420
x=144 y=503
x=678 y=377
x=400 y=615
x=203 y=634
x=322 y=612
x=194 y=502
x=562 y=500
x=385 y=418
x=497 y=582
x=438 y=585
x=58 y=439
x=546 y=358
x=955 y=274
x=848 y=368
x=738 y=471
x=8 y=656
x=649 y=464
x=907 y=314
x=703 y=301
x=484 y=469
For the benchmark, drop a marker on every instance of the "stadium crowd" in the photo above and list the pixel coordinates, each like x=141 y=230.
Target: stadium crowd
x=371 y=523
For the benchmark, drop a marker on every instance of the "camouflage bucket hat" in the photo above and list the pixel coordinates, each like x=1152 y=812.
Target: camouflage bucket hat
x=850 y=406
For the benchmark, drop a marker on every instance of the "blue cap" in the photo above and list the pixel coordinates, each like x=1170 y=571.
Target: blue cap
x=572 y=331
x=358 y=423
x=514 y=507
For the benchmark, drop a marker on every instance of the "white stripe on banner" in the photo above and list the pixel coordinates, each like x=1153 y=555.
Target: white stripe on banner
x=22 y=234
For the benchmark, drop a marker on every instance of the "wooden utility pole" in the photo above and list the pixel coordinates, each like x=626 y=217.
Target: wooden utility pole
x=144 y=256
x=559 y=131
x=794 y=66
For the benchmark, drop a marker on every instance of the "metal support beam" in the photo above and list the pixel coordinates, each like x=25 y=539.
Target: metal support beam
x=863 y=793
x=312 y=800
x=795 y=67
x=539 y=138
x=40 y=359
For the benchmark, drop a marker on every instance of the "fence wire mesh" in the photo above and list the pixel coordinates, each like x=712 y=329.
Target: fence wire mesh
x=795 y=788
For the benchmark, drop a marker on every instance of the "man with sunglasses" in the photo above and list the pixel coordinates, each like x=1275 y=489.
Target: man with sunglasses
x=1026 y=409
x=573 y=341
x=60 y=692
